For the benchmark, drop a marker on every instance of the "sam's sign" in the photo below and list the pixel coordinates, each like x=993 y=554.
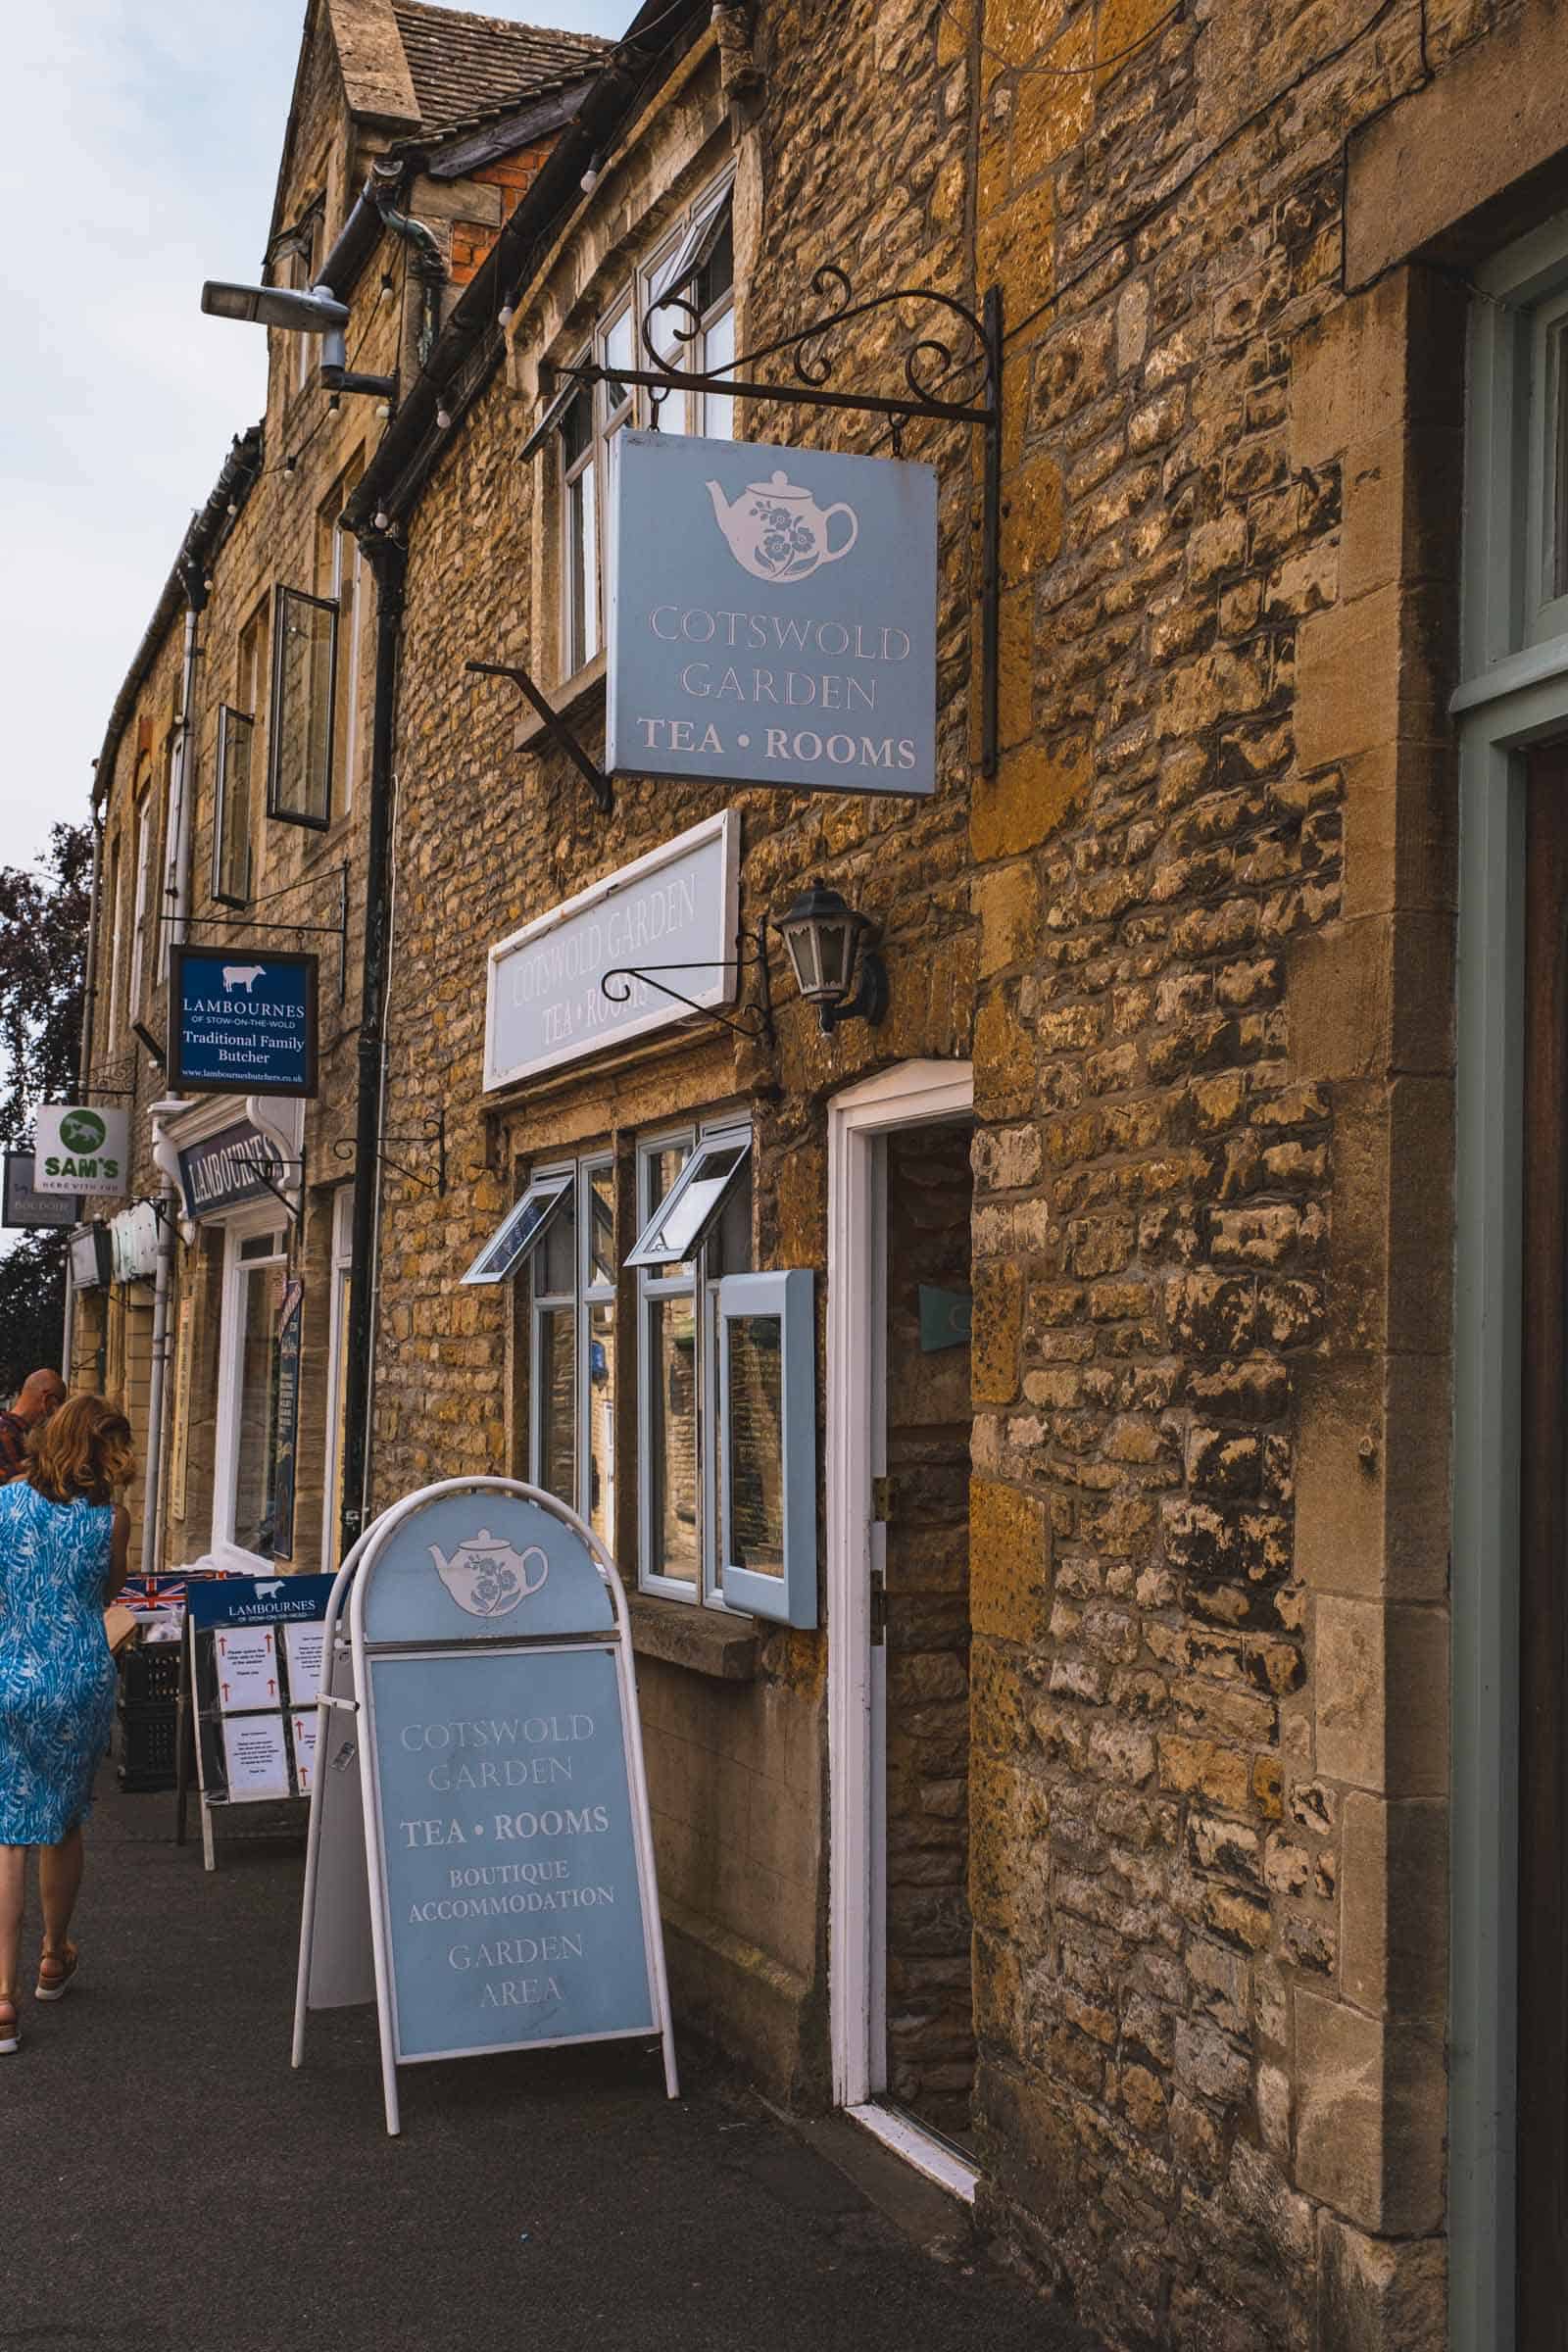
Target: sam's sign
x=774 y=616
x=80 y=1150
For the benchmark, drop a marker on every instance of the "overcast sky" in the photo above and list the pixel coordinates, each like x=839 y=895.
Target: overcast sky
x=139 y=158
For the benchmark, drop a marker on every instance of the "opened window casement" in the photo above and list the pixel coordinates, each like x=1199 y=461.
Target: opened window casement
x=521 y=1229
x=694 y=1203
x=299 y=774
x=231 y=831
x=699 y=250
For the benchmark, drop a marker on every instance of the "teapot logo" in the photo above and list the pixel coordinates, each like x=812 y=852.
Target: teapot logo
x=777 y=532
x=487 y=1578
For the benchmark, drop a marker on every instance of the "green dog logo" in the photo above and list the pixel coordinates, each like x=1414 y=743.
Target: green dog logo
x=82 y=1131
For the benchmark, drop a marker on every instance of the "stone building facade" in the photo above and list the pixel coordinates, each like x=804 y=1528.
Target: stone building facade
x=1180 y=1873
x=272 y=773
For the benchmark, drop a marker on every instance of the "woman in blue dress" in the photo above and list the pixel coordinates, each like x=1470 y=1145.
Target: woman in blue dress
x=63 y=1544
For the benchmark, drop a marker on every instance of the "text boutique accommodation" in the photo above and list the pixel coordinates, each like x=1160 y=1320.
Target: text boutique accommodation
x=1187 y=1858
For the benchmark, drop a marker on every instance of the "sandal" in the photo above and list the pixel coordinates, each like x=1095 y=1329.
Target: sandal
x=55 y=1985
x=10 y=2037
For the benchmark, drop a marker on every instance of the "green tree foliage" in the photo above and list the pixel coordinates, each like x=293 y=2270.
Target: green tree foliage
x=43 y=935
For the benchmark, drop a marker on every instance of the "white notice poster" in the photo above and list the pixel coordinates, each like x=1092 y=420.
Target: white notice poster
x=247 y=1666
x=303 y=1727
x=257 y=1756
x=302 y=1647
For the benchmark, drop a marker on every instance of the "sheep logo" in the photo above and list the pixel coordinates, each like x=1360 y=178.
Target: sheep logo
x=242 y=975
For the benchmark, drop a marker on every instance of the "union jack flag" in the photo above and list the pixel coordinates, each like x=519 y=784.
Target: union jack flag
x=144 y=1592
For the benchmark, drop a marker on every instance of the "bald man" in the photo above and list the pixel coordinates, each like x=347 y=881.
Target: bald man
x=40 y=1395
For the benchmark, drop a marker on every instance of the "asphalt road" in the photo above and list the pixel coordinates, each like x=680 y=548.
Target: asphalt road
x=168 y=2181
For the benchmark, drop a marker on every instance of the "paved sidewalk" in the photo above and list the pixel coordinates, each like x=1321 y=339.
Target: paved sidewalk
x=171 y=2183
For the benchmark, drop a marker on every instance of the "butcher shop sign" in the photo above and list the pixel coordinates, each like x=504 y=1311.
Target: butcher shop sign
x=243 y=1022
x=773 y=616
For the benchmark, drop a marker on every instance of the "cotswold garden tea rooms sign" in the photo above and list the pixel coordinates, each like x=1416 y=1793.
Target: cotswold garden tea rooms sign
x=773 y=616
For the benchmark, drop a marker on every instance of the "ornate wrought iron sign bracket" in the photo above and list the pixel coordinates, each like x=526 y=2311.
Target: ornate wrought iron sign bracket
x=434 y=1133
x=753 y=1021
x=554 y=727
x=947 y=385
x=243 y=922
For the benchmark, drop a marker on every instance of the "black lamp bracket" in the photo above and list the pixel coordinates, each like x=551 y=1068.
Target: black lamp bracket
x=753 y=1021
x=554 y=727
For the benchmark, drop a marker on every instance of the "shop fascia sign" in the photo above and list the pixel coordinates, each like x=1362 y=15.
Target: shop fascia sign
x=773 y=616
x=676 y=910
x=80 y=1150
x=237 y=1163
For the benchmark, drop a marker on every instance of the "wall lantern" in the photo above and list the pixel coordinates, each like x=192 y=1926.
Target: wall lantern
x=830 y=950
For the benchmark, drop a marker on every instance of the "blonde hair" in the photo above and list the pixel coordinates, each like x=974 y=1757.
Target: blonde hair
x=85 y=1450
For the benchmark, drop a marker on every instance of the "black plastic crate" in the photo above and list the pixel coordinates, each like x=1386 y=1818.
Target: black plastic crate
x=144 y=1744
x=150 y=1676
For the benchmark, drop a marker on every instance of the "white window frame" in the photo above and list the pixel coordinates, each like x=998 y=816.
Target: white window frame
x=175 y=803
x=245 y=1226
x=138 y=928
x=586 y=1294
x=654 y=1283
x=695 y=412
x=340 y=1271
x=117 y=886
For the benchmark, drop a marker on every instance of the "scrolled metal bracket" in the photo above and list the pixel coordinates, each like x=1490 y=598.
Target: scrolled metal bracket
x=932 y=361
x=752 y=1021
x=436 y=1133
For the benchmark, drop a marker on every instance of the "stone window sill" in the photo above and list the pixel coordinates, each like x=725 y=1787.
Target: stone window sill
x=568 y=700
x=705 y=1640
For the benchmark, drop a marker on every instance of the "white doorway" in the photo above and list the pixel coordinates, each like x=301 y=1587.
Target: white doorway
x=863 y=1123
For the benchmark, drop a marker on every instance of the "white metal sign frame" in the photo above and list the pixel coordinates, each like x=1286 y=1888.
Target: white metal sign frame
x=353 y=1582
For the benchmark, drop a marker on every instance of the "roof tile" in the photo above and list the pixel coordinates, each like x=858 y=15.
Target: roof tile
x=465 y=65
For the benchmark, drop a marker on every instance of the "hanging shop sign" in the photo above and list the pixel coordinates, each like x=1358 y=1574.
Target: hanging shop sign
x=773 y=616
x=482 y=1783
x=674 y=910
x=25 y=1205
x=228 y=1167
x=133 y=1243
x=80 y=1150
x=285 y=1448
x=242 y=1021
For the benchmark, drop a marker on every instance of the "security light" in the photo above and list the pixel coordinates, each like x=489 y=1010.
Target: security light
x=304 y=313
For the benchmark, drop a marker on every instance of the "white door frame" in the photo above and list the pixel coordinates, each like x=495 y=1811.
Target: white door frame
x=242 y=1225
x=916 y=1093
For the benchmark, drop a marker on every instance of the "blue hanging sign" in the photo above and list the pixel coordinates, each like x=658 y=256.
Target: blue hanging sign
x=242 y=1021
x=773 y=616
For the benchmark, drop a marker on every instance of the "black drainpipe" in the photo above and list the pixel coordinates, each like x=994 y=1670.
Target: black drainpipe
x=388 y=558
